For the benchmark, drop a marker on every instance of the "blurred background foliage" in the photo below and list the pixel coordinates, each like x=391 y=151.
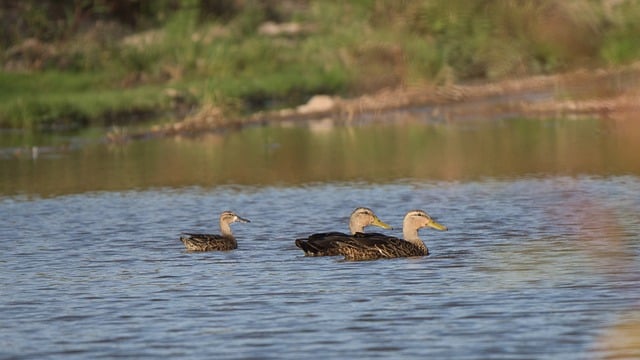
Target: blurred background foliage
x=74 y=63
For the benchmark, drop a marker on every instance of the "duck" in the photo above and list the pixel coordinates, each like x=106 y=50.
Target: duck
x=213 y=242
x=376 y=246
x=325 y=244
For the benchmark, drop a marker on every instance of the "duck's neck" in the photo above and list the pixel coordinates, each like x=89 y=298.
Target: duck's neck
x=225 y=229
x=355 y=227
x=411 y=235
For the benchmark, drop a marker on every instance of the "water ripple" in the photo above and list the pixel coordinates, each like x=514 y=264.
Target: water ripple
x=529 y=268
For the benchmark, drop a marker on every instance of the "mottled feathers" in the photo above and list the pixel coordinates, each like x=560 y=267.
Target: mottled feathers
x=208 y=242
x=377 y=246
x=322 y=244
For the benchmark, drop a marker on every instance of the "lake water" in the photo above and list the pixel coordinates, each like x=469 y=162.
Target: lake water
x=541 y=259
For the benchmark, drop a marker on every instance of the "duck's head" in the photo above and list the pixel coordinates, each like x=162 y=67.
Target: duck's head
x=228 y=217
x=362 y=217
x=418 y=219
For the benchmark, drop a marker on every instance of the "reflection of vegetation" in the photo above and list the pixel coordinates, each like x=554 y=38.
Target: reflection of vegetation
x=265 y=156
x=80 y=62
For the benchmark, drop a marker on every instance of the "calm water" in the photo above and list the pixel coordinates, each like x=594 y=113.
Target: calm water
x=541 y=260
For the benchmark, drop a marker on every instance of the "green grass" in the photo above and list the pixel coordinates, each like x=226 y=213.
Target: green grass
x=53 y=99
x=349 y=47
x=620 y=43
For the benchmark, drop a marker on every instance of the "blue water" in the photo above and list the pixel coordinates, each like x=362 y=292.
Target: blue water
x=539 y=267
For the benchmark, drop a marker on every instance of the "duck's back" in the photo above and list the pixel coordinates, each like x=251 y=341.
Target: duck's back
x=322 y=244
x=208 y=242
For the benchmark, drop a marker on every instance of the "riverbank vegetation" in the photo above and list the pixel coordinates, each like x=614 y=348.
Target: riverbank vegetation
x=70 y=64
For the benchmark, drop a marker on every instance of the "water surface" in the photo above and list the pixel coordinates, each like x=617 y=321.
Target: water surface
x=320 y=152
x=541 y=259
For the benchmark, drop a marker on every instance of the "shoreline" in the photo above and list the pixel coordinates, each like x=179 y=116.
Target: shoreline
x=603 y=93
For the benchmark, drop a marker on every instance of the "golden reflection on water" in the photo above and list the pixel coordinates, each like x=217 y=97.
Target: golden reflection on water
x=324 y=152
x=622 y=340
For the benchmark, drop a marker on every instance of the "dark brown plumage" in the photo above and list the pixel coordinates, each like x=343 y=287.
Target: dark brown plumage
x=208 y=242
x=322 y=244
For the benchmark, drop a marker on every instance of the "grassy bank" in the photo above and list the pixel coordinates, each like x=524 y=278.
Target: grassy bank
x=100 y=68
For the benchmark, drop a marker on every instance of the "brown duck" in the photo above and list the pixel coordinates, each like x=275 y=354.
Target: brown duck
x=211 y=242
x=326 y=244
x=377 y=246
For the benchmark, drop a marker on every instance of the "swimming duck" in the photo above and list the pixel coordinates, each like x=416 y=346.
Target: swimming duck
x=209 y=242
x=376 y=246
x=325 y=244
